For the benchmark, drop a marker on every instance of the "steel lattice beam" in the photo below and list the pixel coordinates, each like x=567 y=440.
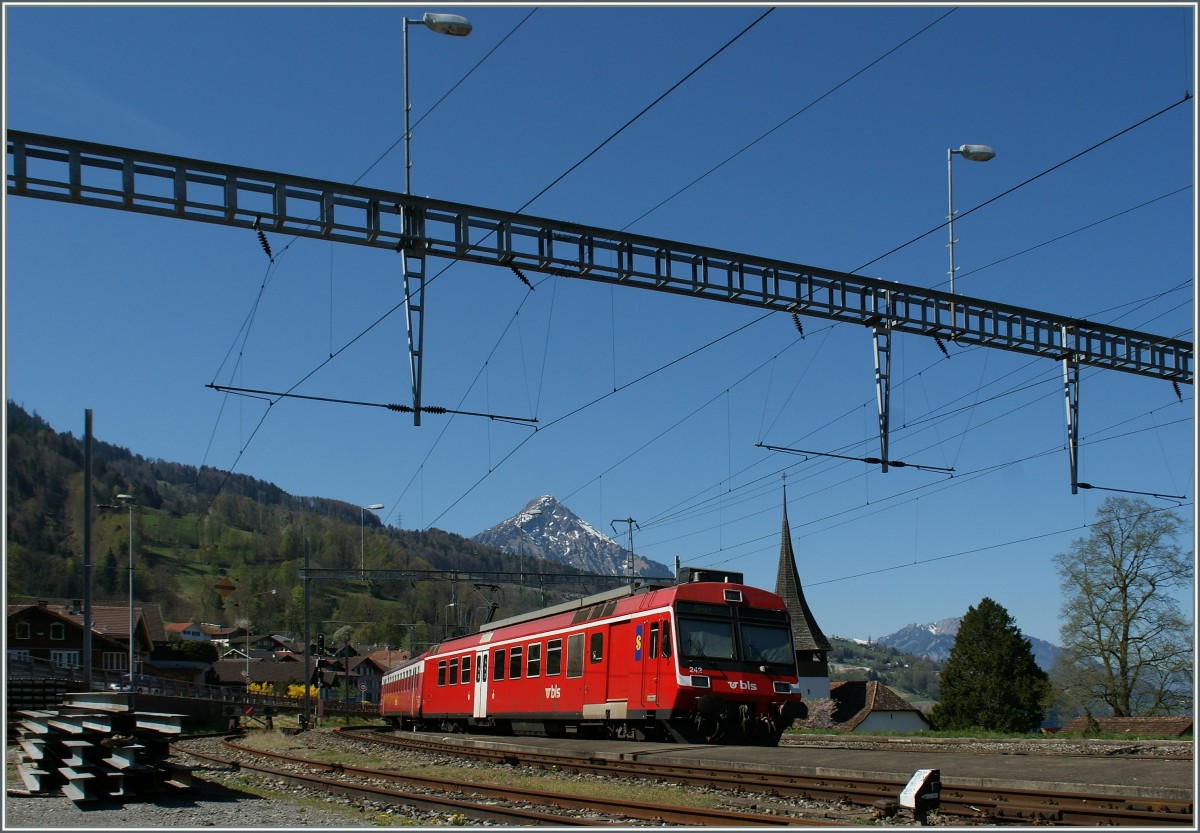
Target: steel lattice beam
x=525 y=579
x=85 y=173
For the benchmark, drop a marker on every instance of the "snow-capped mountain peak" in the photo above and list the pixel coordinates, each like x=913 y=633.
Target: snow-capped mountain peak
x=547 y=529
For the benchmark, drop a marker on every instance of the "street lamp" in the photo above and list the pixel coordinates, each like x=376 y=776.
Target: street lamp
x=362 y=528
x=444 y=24
x=973 y=153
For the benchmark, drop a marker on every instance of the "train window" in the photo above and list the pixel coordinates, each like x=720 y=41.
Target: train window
x=575 y=655
x=653 y=640
x=533 y=665
x=553 y=657
x=666 y=639
x=498 y=665
x=454 y=672
x=466 y=670
x=596 y=650
x=481 y=669
x=441 y=672
x=705 y=639
x=514 y=663
x=766 y=643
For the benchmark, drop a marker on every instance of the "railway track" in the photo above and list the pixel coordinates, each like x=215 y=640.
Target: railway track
x=502 y=805
x=991 y=804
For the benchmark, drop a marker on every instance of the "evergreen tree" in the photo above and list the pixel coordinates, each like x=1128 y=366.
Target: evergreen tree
x=990 y=681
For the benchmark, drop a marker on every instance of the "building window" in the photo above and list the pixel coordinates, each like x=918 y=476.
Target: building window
x=58 y=631
x=23 y=630
x=115 y=661
x=18 y=656
x=65 y=659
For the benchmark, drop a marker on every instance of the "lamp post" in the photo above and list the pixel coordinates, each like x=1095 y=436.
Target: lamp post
x=362 y=528
x=413 y=269
x=973 y=153
x=444 y=24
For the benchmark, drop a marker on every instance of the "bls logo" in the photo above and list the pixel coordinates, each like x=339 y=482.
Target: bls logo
x=553 y=692
x=743 y=685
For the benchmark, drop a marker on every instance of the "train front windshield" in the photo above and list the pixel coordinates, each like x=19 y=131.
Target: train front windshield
x=722 y=633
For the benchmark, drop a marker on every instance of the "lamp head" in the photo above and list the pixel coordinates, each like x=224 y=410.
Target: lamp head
x=447 y=24
x=375 y=506
x=976 y=153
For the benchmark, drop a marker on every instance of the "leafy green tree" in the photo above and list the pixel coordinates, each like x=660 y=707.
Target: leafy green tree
x=1126 y=644
x=991 y=682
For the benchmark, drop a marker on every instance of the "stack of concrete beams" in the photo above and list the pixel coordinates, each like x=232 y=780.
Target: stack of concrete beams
x=96 y=750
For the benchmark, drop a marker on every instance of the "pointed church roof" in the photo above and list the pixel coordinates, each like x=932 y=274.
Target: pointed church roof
x=806 y=633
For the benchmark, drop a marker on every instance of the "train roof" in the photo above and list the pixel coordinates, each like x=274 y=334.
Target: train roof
x=634 y=589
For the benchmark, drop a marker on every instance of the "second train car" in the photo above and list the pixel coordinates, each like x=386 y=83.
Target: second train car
x=701 y=661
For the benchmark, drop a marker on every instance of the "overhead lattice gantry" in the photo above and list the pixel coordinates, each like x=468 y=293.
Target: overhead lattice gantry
x=85 y=173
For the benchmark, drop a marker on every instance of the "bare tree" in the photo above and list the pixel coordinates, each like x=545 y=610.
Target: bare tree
x=1126 y=643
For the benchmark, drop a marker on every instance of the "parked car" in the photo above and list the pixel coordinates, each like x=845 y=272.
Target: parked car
x=143 y=683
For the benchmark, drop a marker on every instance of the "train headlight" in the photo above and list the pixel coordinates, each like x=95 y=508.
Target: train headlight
x=700 y=682
x=782 y=688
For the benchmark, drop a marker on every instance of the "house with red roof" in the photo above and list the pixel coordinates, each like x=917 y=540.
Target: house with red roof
x=53 y=632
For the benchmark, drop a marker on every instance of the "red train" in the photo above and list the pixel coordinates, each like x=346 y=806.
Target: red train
x=696 y=662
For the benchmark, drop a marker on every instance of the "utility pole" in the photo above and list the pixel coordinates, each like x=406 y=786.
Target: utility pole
x=630 y=523
x=307 y=644
x=87 y=550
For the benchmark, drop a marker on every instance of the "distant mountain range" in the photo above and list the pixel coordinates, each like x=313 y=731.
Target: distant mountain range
x=547 y=529
x=935 y=639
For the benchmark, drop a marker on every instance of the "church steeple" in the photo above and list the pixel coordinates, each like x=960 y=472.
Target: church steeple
x=806 y=633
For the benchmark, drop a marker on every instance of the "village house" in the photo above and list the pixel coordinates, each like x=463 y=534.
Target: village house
x=52 y=632
x=863 y=706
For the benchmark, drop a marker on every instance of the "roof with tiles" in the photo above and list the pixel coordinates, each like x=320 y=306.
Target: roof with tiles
x=857 y=699
x=1170 y=726
x=109 y=619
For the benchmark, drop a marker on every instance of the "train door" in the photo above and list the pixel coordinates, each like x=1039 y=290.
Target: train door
x=650 y=644
x=595 y=668
x=620 y=664
x=481 y=683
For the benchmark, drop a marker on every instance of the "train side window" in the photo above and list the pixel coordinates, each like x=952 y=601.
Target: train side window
x=533 y=665
x=466 y=670
x=553 y=657
x=666 y=639
x=514 y=662
x=454 y=672
x=654 y=640
x=596 y=650
x=441 y=672
x=498 y=665
x=575 y=655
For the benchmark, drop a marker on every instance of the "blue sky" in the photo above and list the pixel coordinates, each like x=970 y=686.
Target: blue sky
x=133 y=316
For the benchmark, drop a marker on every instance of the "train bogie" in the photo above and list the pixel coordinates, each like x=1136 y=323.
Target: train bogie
x=704 y=662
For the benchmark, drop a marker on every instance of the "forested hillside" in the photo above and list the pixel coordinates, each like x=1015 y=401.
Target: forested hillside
x=913 y=677
x=191 y=526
